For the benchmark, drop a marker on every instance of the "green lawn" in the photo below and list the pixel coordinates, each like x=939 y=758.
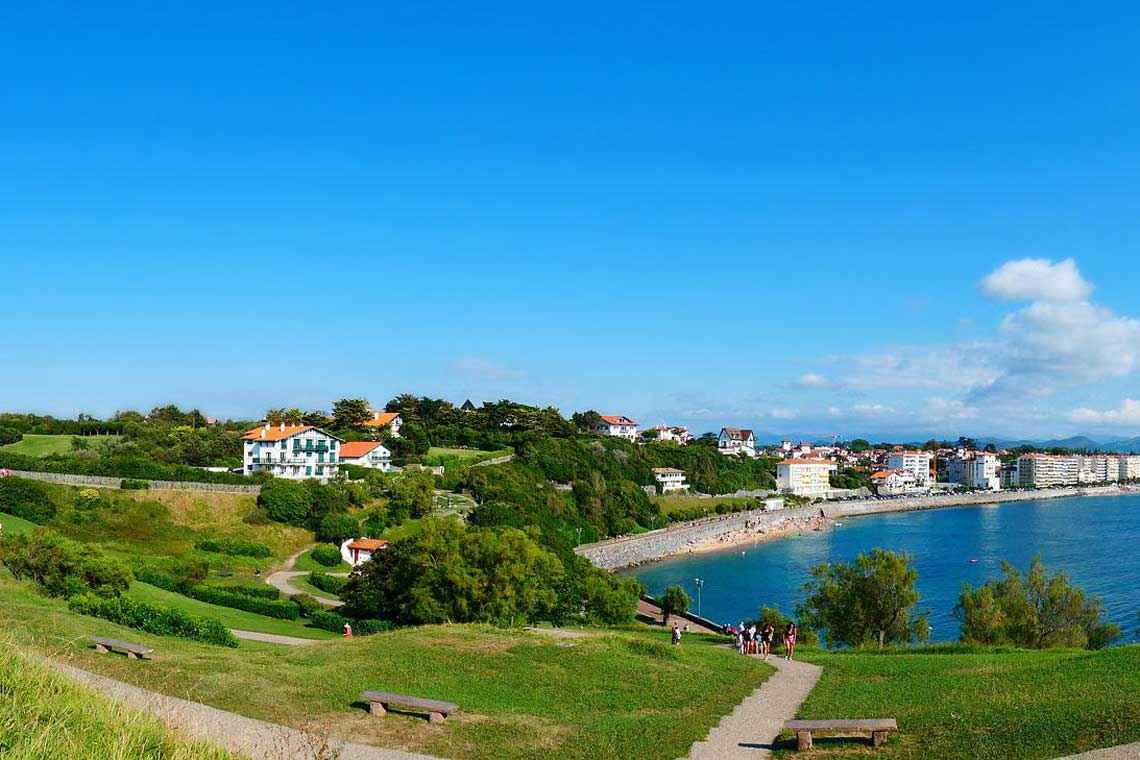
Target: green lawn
x=308 y=564
x=609 y=694
x=671 y=503
x=45 y=445
x=438 y=455
x=46 y=715
x=980 y=703
x=12 y=525
x=231 y=618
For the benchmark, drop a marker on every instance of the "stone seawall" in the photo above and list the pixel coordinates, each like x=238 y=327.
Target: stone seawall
x=682 y=538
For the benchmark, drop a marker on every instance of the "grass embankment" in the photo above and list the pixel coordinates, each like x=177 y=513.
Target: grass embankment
x=44 y=715
x=45 y=445
x=523 y=695
x=439 y=455
x=958 y=702
x=669 y=504
x=12 y=525
x=308 y=564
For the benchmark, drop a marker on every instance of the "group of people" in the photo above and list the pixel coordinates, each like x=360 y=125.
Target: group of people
x=758 y=641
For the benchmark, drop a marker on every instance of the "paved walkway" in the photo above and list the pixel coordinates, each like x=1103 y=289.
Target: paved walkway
x=254 y=738
x=282 y=580
x=749 y=731
x=274 y=638
x=1123 y=752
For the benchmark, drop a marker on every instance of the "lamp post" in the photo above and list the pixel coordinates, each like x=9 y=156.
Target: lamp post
x=700 y=587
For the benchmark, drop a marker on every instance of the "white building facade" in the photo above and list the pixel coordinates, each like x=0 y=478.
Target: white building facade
x=370 y=454
x=670 y=479
x=983 y=472
x=1048 y=470
x=732 y=441
x=805 y=477
x=295 y=452
x=617 y=426
x=915 y=462
x=390 y=421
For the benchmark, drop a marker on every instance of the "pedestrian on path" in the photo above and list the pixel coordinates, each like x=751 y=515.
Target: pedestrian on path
x=766 y=635
x=790 y=641
x=676 y=634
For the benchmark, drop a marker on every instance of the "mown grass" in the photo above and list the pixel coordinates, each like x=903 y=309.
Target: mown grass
x=669 y=504
x=229 y=617
x=958 y=702
x=44 y=715
x=610 y=694
x=33 y=445
x=437 y=455
x=12 y=525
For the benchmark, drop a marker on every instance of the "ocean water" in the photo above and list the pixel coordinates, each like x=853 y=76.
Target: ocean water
x=1096 y=540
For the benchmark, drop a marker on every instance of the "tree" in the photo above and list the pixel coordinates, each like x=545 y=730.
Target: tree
x=859 y=445
x=674 y=602
x=351 y=412
x=335 y=528
x=413 y=492
x=871 y=599
x=294 y=416
x=587 y=421
x=285 y=501
x=26 y=499
x=1035 y=611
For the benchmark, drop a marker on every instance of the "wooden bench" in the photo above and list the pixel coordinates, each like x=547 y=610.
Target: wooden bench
x=378 y=702
x=877 y=727
x=133 y=651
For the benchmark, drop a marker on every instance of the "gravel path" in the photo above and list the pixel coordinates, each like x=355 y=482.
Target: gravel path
x=749 y=730
x=273 y=638
x=1123 y=752
x=253 y=738
x=282 y=580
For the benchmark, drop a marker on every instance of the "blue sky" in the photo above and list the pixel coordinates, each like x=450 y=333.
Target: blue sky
x=765 y=216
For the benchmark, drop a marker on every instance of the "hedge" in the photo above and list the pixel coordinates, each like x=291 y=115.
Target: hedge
x=261 y=592
x=329 y=556
x=162 y=621
x=334 y=621
x=134 y=467
x=274 y=608
x=235 y=547
x=328 y=583
x=132 y=484
x=158 y=578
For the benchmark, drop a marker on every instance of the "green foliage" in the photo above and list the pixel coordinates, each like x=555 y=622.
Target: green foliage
x=674 y=602
x=330 y=584
x=161 y=621
x=609 y=600
x=327 y=620
x=26 y=499
x=62 y=567
x=336 y=528
x=10 y=435
x=350 y=412
x=780 y=621
x=119 y=462
x=448 y=572
x=412 y=492
x=259 y=591
x=131 y=484
x=281 y=609
x=1034 y=611
x=285 y=501
x=871 y=599
x=235 y=547
x=326 y=555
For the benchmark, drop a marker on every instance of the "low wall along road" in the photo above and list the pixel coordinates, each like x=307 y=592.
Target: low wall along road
x=99 y=481
x=725 y=530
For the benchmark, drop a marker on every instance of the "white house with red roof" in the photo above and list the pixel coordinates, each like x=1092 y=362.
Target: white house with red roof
x=381 y=420
x=357 y=551
x=618 y=426
x=732 y=441
x=370 y=454
x=296 y=452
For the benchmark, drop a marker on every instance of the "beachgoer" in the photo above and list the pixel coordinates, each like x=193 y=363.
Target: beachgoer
x=676 y=634
x=766 y=637
x=753 y=638
x=790 y=641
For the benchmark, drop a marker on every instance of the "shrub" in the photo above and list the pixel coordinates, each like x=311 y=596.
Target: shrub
x=26 y=499
x=261 y=592
x=326 y=555
x=335 y=528
x=285 y=501
x=235 y=547
x=274 y=608
x=158 y=578
x=61 y=566
x=307 y=605
x=674 y=602
x=334 y=621
x=10 y=435
x=134 y=484
x=328 y=583
x=162 y=621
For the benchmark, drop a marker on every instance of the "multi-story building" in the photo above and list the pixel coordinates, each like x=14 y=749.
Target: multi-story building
x=296 y=452
x=370 y=454
x=916 y=462
x=892 y=482
x=381 y=420
x=983 y=472
x=805 y=477
x=732 y=441
x=1009 y=476
x=670 y=479
x=956 y=467
x=1127 y=467
x=618 y=426
x=1047 y=470
x=675 y=433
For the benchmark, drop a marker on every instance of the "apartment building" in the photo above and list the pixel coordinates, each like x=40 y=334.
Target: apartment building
x=805 y=477
x=1127 y=467
x=670 y=479
x=1047 y=470
x=296 y=452
x=915 y=462
x=983 y=471
x=892 y=482
x=617 y=426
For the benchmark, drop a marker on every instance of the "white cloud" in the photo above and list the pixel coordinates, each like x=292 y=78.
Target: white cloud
x=1037 y=280
x=782 y=414
x=872 y=410
x=812 y=380
x=1128 y=413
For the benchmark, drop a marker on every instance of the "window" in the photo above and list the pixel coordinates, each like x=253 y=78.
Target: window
x=308 y=471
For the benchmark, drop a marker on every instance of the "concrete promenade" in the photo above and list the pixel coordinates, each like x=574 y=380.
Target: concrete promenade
x=681 y=538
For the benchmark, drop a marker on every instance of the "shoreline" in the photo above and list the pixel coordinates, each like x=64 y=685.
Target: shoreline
x=723 y=532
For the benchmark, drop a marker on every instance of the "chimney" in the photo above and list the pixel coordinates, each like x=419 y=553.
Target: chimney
x=282 y=426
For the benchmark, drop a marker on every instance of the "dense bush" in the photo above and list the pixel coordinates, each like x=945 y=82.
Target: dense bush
x=335 y=528
x=235 y=547
x=162 y=621
x=675 y=601
x=133 y=484
x=10 y=435
x=281 y=609
x=118 y=465
x=61 y=566
x=330 y=584
x=326 y=555
x=159 y=579
x=27 y=499
x=285 y=501
x=1035 y=611
x=334 y=621
x=259 y=591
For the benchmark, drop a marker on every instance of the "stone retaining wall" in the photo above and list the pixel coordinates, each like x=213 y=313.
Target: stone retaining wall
x=99 y=481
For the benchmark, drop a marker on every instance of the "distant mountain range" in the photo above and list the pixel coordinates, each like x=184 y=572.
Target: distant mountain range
x=1119 y=445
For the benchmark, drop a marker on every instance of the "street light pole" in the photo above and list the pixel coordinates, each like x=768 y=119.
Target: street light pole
x=700 y=587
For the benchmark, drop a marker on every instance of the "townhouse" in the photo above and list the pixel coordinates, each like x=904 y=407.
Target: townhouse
x=371 y=454
x=732 y=441
x=296 y=452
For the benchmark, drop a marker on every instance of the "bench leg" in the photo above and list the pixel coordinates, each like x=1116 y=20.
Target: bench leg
x=377 y=708
x=878 y=738
x=803 y=740
x=436 y=717
x=132 y=656
x=101 y=649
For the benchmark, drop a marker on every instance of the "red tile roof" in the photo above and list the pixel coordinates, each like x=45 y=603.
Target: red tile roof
x=617 y=419
x=356 y=449
x=381 y=419
x=368 y=544
x=275 y=432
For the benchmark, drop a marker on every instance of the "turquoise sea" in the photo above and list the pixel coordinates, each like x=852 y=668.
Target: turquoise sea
x=1096 y=540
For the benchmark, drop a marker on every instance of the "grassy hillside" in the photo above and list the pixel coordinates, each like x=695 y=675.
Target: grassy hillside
x=606 y=694
x=34 y=445
x=10 y=524
x=957 y=702
x=45 y=715
x=229 y=617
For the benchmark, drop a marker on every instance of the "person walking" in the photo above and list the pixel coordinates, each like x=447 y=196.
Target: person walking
x=753 y=649
x=676 y=634
x=790 y=641
x=766 y=636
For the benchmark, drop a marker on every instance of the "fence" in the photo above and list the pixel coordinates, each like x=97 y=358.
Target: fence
x=100 y=481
